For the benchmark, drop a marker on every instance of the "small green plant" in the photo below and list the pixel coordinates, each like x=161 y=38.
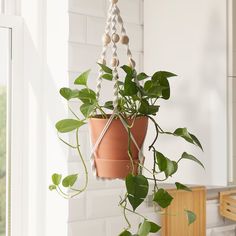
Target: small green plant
x=135 y=99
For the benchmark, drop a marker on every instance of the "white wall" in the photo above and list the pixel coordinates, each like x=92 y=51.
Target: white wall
x=97 y=211
x=189 y=38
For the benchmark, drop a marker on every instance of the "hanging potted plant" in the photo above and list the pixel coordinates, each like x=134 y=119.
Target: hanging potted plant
x=118 y=128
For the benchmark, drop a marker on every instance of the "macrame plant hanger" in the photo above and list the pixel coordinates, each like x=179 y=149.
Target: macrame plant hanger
x=111 y=37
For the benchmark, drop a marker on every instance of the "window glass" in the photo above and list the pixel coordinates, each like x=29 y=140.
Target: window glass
x=4 y=74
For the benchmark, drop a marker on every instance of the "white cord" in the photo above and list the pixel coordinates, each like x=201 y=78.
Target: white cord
x=113 y=18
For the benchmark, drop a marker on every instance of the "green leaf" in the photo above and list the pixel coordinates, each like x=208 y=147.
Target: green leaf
x=154 y=227
x=183 y=132
x=165 y=92
x=69 y=181
x=161 y=161
x=162 y=198
x=128 y=70
x=180 y=186
x=142 y=76
x=137 y=189
x=196 y=141
x=83 y=78
x=160 y=78
x=187 y=156
x=109 y=105
x=52 y=187
x=68 y=125
x=130 y=87
x=147 y=109
x=191 y=216
x=166 y=165
x=163 y=74
x=156 y=89
x=87 y=108
x=144 y=229
x=105 y=68
x=107 y=77
x=87 y=95
x=56 y=179
x=125 y=233
x=68 y=93
x=172 y=167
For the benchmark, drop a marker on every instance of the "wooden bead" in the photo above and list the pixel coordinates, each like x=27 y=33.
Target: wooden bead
x=114 y=1
x=131 y=63
x=102 y=61
x=114 y=62
x=124 y=39
x=106 y=39
x=115 y=38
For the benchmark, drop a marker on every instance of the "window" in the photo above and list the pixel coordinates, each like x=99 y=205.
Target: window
x=11 y=133
x=4 y=80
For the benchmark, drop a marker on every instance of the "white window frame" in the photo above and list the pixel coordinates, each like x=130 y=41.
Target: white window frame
x=15 y=197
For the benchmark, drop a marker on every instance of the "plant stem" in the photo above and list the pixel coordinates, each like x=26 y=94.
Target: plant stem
x=66 y=143
x=73 y=112
x=83 y=162
x=154 y=170
x=136 y=213
x=124 y=211
x=157 y=132
x=100 y=109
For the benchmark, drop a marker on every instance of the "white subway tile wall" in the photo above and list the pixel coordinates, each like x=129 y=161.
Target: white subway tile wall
x=96 y=212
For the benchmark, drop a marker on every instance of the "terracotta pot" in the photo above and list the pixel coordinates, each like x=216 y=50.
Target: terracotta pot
x=111 y=157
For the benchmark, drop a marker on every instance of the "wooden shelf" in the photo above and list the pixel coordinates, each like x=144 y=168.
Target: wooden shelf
x=228 y=204
x=174 y=219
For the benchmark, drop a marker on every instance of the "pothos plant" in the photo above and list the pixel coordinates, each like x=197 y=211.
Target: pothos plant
x=135 y=99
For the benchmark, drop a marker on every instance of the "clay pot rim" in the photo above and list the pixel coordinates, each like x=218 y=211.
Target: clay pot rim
x=100 y=117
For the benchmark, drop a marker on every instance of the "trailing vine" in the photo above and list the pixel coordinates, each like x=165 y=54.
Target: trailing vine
x=134 y=100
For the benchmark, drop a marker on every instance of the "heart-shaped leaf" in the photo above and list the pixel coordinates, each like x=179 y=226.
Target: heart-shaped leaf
x=162 y=198
x=162 y=74
x=105 y=68
x=68 y=93
x=83 y=78
x=56 y=179
x=128 y=70
x=172 y=167
x=154 y=227
x=68 y=125
x=142 y=76
x=52 y=187
x=196 y=141
x=130 y=87
x=190 y=157
x=147 y=109
x=137 y=189
x=161 y=161
x=180 y=186
x=87 y=95
x=69 y=180
x=125 y=233
x=166 y=165
x=144 y=229
x=87 y=108
x=107 y=77
x=109 y=105
x=183 y=132
x=191 y=216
